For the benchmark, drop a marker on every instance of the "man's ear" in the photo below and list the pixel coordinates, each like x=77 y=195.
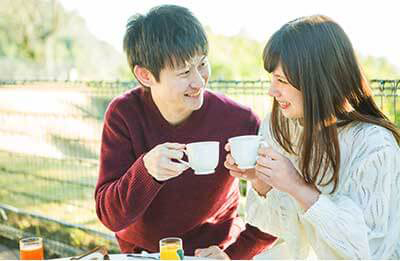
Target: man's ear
x=144 y=76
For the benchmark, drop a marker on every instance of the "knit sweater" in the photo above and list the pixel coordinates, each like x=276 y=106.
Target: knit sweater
x=360 y=220
x=201 y=209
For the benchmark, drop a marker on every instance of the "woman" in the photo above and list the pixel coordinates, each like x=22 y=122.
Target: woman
x=329 y=181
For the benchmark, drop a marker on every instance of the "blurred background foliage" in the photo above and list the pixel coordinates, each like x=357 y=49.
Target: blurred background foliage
x=39 y=39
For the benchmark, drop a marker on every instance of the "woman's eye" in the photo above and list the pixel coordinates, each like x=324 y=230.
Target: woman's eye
x=282 y=81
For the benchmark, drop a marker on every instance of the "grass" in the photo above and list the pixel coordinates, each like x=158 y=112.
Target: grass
x=59 y=239
x=59 y=190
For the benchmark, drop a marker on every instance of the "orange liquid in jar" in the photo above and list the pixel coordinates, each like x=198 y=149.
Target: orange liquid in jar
x=34 y=252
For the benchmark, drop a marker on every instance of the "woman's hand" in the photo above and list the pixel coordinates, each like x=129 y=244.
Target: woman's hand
x=247 y=174
x=277 y=170
x=259 y=185
x=212 y=252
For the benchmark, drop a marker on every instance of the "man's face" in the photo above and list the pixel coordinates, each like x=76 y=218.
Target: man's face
x=180 y=91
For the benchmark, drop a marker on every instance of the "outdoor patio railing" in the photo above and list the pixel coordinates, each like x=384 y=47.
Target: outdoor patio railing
x=49 y=145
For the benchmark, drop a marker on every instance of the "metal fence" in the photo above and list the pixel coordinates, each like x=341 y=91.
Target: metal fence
x=49 y=145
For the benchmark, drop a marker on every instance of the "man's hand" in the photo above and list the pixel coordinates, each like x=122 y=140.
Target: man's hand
x=212 y=252
x=159 y=164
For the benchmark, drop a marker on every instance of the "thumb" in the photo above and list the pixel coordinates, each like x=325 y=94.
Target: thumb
x=227 y=147
x=197 y=252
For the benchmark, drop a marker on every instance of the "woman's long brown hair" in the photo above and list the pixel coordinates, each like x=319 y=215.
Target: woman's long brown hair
x=318 y=59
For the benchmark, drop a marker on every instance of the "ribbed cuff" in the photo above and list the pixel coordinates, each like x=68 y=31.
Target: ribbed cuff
x=323 y=208
x=141 y=180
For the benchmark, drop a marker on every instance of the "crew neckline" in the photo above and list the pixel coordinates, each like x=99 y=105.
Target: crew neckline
x=189 y=122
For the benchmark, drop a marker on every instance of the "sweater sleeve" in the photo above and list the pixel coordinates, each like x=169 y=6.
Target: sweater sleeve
x=250 y=243
x=360 y=220
x=124 y=188
x=363 y=222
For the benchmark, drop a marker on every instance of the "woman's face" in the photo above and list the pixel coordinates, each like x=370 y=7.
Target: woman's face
x=290 y=99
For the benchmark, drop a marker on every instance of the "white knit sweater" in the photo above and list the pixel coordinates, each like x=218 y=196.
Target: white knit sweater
x=361 y=220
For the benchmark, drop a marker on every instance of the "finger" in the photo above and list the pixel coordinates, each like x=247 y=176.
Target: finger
x=165 y=174
x=202 y=252
x=262 y=151
x=273 y=153
x=236 y=174
x=228 y=165
x=232 y=167
x=216 y=252
x=172 y=166
x=266 y=161
x=263 y=177
x=174 y=145
x=227 y=147
x=230 y=159
x=263 y=170
x=208 y=252
x=197 y=251
x=173 y=153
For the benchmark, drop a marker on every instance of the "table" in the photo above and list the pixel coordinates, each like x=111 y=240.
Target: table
x=146 y=256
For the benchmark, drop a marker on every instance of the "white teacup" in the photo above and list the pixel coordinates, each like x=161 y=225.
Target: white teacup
x=244 y=150
x=203 y=156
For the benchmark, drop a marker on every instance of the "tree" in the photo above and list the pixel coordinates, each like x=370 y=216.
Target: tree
x=44 y=40
x=235 y=57
x=379 y=68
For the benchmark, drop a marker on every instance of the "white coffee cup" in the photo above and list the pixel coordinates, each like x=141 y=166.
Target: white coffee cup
x=244 y=150
x=203 y=156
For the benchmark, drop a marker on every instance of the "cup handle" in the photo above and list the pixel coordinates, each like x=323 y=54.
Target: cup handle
x=182 y=161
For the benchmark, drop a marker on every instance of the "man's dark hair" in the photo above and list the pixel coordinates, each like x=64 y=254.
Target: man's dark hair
x=168 y=35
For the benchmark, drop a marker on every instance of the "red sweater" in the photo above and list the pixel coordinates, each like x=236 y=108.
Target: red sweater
x=202 y=210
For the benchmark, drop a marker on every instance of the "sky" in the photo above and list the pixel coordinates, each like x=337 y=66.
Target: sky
x=372 y=26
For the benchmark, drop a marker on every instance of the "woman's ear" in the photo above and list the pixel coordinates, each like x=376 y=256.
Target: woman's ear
x=144 y=76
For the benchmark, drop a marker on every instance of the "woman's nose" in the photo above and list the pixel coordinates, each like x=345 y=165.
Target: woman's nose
x=272 y=91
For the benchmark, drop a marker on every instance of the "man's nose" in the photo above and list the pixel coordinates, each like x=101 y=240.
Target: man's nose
x=198 y=81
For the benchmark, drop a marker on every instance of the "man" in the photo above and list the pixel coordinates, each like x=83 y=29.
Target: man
x=143 y=193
